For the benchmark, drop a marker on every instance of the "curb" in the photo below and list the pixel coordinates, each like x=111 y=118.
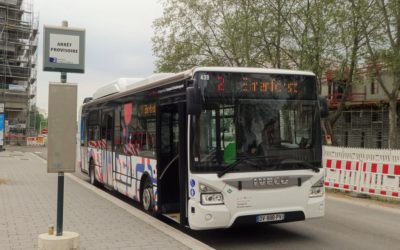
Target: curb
x=148 y=219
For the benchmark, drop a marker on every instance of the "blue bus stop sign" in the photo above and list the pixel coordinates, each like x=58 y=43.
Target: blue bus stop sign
x=1 y=129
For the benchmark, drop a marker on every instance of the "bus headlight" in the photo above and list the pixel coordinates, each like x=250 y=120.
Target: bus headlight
x=317 y=190
x=209 y=196
x=212 y=199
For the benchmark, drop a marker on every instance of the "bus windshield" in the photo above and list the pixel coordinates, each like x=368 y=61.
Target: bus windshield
x=262 y=124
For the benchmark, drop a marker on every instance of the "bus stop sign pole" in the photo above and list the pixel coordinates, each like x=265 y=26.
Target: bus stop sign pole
x=63 y=51
x=60 y=188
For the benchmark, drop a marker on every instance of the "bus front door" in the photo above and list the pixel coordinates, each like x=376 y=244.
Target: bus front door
x=172 y=172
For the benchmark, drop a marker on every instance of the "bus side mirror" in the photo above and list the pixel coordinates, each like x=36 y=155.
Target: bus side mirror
x=193 y=100
x=323 y=107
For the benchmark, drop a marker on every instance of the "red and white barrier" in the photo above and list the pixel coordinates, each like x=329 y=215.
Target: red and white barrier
x=342 y=174
x=36 y=141
x=368 y=171
x=380 y=179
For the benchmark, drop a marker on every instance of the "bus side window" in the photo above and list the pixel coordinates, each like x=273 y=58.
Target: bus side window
x=83 y=132
x=103 y=128
x=146 y=137
x=117 y=130
x=93 y=133
x=92 y=128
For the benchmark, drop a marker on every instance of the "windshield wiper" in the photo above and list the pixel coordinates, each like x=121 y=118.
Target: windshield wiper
x=233 y=165
x=301 y=163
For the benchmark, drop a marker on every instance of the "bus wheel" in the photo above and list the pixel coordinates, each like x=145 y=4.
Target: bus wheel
x=92 y=177
x=147 y=196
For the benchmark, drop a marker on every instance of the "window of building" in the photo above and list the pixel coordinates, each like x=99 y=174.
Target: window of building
x=375 y=116
x=374 y=87
x=362 y=139
x=379 y=140
x=346 y=138
x=347 y=117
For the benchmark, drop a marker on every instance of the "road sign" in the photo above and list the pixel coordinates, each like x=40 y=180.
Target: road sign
x=64 y=49
x=2 y=124
x=1 y=129
x=44 y=131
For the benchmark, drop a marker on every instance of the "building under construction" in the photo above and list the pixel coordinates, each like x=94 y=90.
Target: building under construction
x=18 y=57
x=364 y=121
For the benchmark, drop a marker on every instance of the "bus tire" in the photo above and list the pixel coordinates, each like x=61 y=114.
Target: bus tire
x=147 y=196
x=92 y=176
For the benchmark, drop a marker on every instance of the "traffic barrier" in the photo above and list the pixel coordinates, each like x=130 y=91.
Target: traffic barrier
x=35 y=141
x=342 y=174
x=367 y=171
x=15 y=139
x=380 y=179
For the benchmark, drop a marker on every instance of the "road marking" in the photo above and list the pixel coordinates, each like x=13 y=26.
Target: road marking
x=148 y=219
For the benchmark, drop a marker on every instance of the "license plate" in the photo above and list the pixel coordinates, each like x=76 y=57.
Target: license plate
x=269 y=217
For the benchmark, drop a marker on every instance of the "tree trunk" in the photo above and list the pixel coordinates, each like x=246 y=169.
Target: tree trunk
x=393 y=138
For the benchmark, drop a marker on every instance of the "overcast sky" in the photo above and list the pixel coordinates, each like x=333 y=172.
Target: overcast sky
x=118 y=41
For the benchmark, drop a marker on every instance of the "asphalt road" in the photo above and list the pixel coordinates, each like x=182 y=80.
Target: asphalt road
x=349 y=223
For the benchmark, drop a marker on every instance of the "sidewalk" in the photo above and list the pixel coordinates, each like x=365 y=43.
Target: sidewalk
x=28 y=206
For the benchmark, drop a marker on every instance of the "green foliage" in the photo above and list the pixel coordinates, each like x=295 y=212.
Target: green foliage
x=270 y=33
x=38 y=119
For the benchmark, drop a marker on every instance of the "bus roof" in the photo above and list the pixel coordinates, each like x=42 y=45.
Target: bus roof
x=126 y=86
x=115 y=86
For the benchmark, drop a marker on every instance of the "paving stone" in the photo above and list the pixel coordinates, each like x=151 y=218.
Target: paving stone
x=28 y=207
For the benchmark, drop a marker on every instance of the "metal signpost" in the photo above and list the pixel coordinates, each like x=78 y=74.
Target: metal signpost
x=63 y=52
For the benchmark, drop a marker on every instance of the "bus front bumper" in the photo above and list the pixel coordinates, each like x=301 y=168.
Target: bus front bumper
x=219 y=216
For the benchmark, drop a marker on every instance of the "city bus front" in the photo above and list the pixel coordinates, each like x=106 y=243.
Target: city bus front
x=255 y=148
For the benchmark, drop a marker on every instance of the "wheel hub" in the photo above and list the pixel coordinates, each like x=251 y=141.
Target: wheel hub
x=147 y=199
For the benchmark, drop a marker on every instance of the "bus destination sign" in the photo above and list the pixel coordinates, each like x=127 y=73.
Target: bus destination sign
x=272 y=86
x=258 y=85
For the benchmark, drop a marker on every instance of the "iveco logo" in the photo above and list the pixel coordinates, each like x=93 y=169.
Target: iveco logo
x=270 y=181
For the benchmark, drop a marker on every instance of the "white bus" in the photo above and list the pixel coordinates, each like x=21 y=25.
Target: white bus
x=210 y=147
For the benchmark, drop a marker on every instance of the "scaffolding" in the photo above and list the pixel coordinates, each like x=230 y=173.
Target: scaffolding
x=365 y=127
x=364 y=122
x=18 y=61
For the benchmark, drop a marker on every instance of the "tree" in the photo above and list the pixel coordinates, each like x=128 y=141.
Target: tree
x=205 y=33
x=37 y=119
x=348 y=49
x=269 y=33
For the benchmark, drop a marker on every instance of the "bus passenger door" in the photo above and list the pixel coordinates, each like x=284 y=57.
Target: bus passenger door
x=172 y=171
x=107 y=134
